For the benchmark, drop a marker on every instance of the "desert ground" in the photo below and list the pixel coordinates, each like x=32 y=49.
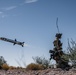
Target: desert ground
x=56 y=71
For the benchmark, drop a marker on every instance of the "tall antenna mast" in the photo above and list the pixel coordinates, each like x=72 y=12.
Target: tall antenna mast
x=57 y=24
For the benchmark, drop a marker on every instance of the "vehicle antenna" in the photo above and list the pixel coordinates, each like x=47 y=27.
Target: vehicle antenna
x=57 y=24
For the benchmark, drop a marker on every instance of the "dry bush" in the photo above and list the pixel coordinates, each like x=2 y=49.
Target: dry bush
x=42 y=61
x=19 y=67
x=33 y=66
x=12 y=67
x=72 y=51
x=2 y=60
x=5 y=66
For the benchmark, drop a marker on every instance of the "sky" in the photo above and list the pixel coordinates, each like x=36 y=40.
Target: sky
x=34 y=22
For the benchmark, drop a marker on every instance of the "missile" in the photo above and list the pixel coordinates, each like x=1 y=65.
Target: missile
x=12 y=41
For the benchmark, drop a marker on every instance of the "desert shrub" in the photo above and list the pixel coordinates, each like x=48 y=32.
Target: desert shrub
x=5 y=66
x=65 y=56
x=34 y=66
x=12 y=67
x=2 y=60
x=42 y=61
x=19 y=67
x=72 y=51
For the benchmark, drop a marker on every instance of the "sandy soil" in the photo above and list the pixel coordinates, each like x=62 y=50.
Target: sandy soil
x=38 y=72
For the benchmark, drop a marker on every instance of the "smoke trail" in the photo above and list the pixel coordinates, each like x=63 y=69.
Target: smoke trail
x=25 y=45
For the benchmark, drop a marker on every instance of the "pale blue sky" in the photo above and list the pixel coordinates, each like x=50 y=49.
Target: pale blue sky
x=34 y=22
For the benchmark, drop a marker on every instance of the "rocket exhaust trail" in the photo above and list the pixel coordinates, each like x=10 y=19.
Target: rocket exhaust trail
x=57 y=24
x=25 y=44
